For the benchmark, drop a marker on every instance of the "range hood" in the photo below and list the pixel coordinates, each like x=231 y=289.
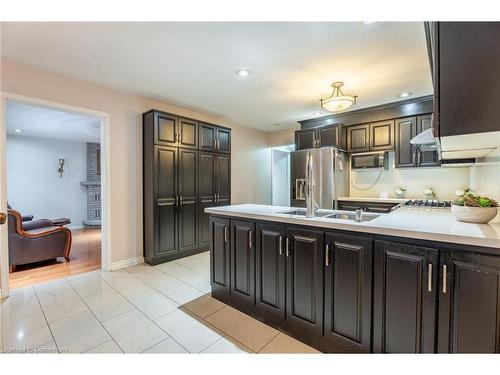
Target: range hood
x=466 y=146
x=425 y=141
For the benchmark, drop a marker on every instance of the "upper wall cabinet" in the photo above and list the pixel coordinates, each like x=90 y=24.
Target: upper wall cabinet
x=378 y=136
x=188 y=133
x=166 y=129
x=465 y=57
x=408 y=155
x=333 y=135
x=214 y=138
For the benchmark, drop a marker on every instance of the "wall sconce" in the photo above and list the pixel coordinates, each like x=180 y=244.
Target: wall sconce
x=61 y=167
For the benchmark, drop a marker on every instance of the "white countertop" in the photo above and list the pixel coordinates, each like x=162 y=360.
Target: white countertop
x=380 y=200
x=412 y=222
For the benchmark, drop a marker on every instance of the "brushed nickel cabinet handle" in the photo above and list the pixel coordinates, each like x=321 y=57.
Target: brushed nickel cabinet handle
x=280 y=245
x=327 y=255
x=180 y=200
x=250 y=239
x=226 y=234
x=429 y=278
x=287 y=247
x=445 y=277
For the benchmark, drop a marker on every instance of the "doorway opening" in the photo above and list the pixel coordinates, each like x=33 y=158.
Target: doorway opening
x=55 y=192
x=280 y=172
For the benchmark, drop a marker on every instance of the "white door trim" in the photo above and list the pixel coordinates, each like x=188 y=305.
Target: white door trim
x=105 y=181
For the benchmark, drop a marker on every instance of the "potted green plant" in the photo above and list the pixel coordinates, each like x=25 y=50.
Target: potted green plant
x=472 y=208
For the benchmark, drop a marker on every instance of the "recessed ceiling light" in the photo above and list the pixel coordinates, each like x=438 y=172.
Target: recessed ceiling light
x=317 y=114
x=404 y=94
x=368 y=22
x=243 y=72
x=18 y=131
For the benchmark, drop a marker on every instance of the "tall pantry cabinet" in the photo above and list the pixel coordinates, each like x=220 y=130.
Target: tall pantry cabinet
x=184 y=172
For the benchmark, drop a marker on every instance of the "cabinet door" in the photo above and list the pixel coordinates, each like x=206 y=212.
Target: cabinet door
x=166 y=128
x=223 y=177
x=224 y=140
x=468 y=60
x=406 y=129
x=358 y=138
x=166 y=228
x=219 y=256
x=207 y=135
x=328 y=136
x=270 y=268
x=426 y=158
x=188 y=133
x=304 y=279
x=206 y=194
x=305 y=139
x=188 y=210
x=243 y=260
x=404 y=298
x=382 y=136
x=348 y=291
x=469 y=300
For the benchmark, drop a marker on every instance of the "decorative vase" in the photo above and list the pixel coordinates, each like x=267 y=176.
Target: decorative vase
x=478 y=215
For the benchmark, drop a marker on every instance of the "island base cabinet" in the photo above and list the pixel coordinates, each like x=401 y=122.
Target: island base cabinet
x=469 y=303
x=304 y=282
x=405 y=298
x=220 y=247
x=242 y=256
x=270 y=269
x=348 y=292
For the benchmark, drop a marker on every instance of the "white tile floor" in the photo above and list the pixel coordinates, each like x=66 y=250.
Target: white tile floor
x=141 y=309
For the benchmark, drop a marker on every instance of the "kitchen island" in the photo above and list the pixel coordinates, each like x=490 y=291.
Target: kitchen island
x=411 y=281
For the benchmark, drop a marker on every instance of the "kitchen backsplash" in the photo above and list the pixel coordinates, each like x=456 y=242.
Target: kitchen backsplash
x=444 y=181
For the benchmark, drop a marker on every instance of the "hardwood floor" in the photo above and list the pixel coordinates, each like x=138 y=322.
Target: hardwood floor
x=85 y=256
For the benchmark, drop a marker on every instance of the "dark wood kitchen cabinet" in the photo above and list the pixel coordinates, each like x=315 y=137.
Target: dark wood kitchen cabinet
x=187 y=172
x=270 y=268
x=243 y=261
x=348 y=291
x=406 y=129
x=404 y=298
x=325 y=136
x=358 y=138
x=382 y=136
x=426 y=158
x=469 y=303
x=220 y=247
x=304 y=281
x=166 y=222
x=377 y=136
x=407 y=155
x=188 y=133
x=214 y=189
x=214 y=138
x=179 y=182
x=464 y=59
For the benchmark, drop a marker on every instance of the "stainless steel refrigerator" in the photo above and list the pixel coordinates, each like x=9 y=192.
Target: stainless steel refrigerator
x=330 y=176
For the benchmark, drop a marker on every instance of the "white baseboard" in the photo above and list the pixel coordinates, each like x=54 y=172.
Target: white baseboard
x=126 y=263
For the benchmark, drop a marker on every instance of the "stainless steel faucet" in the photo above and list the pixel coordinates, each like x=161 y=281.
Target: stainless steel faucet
x=311 y=205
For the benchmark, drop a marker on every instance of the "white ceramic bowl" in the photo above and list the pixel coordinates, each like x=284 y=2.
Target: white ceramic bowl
x=478 y=215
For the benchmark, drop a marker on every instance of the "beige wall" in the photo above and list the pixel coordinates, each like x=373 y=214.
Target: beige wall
x=250 y=180
x=282 y=137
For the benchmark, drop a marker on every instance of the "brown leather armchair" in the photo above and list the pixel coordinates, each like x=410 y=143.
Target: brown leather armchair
x=39 y=242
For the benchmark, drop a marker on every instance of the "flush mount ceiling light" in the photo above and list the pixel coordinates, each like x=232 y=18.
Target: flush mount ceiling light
x=243 y=72
x=404 y=94
x=338 y=102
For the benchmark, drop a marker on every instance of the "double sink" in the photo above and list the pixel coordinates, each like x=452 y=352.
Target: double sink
x=333 y=215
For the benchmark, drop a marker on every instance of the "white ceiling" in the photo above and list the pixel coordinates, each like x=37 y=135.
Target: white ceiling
x=193 y=64
x=45 y=122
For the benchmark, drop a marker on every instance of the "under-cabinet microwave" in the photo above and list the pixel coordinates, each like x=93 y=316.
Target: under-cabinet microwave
x=370 y=160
